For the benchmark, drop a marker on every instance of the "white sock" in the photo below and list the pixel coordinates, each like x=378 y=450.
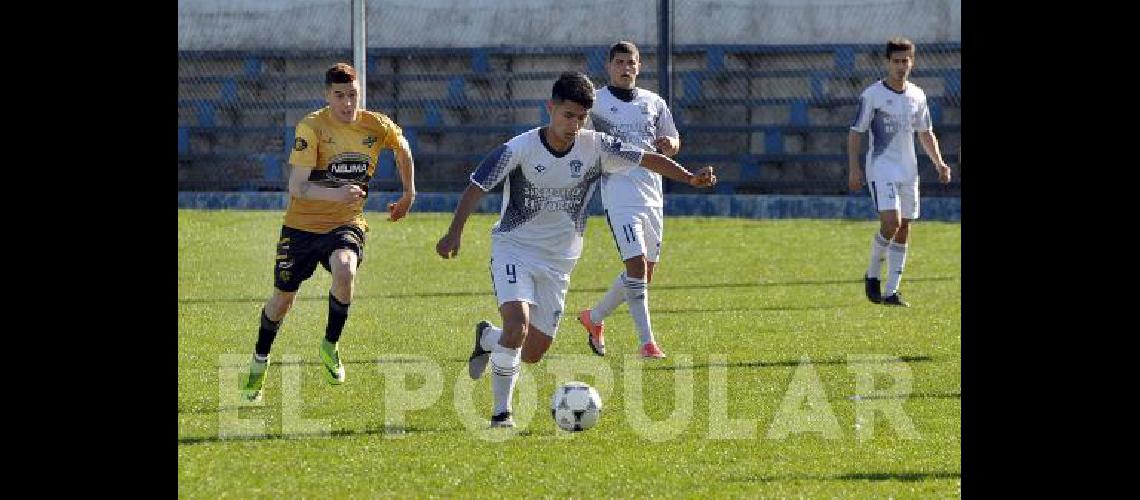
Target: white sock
x=637 y=295
x=878 y=246
x=896 y=257
x=260 y=358
x=613 y=298
x=504 y=373
x=490 y=338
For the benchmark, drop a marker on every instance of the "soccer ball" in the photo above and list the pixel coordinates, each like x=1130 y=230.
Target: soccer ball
x=575 y=406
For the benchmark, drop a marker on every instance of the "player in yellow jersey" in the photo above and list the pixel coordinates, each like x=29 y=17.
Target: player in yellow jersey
x=334 y=156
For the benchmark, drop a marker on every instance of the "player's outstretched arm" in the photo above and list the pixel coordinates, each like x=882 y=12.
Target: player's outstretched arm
x=406 y=166
x=300 y=187
x=673 y=170
x=930 y=145
x=448 y=245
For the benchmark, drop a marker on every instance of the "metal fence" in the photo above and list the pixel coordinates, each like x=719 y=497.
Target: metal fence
x=772 y=117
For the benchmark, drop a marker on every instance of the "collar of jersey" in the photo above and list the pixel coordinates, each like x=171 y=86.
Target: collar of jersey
x=542 y=137
x=888 y=87
x=329 y=118
x=625 y=95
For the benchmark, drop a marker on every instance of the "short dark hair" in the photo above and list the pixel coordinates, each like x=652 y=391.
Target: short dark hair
x=899 y=44
x=573 y=86
x=340 y=73
x=624 y=47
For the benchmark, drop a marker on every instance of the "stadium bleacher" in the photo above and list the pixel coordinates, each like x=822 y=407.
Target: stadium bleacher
x=771 y=118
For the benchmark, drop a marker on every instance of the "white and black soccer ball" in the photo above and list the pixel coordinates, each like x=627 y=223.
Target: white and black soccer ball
x=575 y=406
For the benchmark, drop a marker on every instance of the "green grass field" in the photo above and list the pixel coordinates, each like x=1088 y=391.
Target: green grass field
x=764 y=322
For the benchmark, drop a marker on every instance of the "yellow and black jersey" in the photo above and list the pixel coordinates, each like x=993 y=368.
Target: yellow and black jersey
x=339 y=153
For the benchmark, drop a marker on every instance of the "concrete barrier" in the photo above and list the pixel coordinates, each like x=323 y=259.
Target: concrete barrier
x=747 y=206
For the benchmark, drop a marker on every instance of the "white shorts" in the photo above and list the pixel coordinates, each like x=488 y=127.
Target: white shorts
x=530 y=280
x=637 y=231
x=900 y=196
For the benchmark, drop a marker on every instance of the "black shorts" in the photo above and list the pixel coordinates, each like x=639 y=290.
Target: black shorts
x=298 y=253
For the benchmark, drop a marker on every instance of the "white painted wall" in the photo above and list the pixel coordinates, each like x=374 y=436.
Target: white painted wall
x=313 y=24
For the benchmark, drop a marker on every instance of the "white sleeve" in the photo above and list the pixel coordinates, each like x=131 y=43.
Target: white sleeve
x=616 y=156
x=495 y=167
x=866 y=111
x=665 y=125
x=922 y=118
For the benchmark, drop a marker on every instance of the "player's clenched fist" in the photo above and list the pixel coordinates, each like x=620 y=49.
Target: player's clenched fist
x=448 y=246
x=350 y=192
x=704 y=178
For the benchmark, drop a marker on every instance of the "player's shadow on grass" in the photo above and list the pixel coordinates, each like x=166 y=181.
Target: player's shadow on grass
x=748 y=309
x=482 y=291
x=784 y=363
x=401 y=430
x=745 y=364
x=208 y=410
x=387 y=361
x=920 y=395
x=856 y=476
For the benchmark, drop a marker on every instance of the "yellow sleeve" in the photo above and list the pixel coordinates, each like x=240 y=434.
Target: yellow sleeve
x=392 y=132
x=304 y=152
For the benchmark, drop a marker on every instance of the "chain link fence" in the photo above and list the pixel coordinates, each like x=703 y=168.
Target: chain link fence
x=769 y=107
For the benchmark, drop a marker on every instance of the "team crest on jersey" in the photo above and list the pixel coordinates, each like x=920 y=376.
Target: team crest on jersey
x=644 y=107
x=369 y=141
x=300 y=144
x=575 y=169
x=539 y=168
x=613 y=109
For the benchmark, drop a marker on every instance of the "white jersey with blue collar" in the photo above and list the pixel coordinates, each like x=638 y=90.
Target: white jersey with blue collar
x=893 y=117
x=545 y=194
x=640 y=122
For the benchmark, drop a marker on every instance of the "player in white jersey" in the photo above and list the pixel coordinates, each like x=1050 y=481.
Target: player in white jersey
x=549 y=174
x=893 y=109
x=632 y=198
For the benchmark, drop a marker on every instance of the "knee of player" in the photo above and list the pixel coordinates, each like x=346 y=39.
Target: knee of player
x=636 y=267
x=531 y=359
x=344 y=272
x=513 y=333
x=889 y=228
x=280 y=303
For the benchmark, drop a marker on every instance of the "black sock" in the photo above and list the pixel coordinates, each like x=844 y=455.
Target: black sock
x=338 y=313
x=265 y=335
